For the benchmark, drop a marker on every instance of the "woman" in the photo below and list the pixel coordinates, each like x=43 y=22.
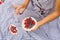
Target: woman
x=9 y=17
x=52 y=28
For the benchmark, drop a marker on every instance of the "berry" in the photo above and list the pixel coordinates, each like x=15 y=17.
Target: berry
x=27 y=26
x=1 y=2
x=29 y=22
x=33 y=22
x=13 y=29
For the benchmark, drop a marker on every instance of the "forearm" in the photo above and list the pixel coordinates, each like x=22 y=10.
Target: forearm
x=58 y=5
x=49 y=18
x=25 y=4
x=53 y=15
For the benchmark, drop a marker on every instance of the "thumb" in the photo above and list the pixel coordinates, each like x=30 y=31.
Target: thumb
x=15 y=7
x=22 y=11
x=33 y=29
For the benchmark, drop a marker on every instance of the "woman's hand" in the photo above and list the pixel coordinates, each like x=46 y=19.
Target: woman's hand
x=47 y=19
x=36 y=27
x=20 y=9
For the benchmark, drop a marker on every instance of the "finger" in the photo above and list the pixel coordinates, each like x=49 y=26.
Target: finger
x=17 y=11
x=15 y=7
x=22 y=11
x=34 y=29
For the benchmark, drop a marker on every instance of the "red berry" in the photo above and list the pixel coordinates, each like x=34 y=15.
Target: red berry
x=29 y=22
x=27 y=26
x=26 y=22
x=33 y=22
x=1 y=2
x=30 y=18
x=13 y=29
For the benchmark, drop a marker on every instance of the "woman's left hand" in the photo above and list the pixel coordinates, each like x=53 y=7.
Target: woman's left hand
x=36 y=27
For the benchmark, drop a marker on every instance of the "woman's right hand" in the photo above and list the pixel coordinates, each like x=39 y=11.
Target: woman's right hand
x=20 y=7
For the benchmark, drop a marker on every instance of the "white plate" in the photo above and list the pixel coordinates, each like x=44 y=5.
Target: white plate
x=11 y=31
x=23 y=25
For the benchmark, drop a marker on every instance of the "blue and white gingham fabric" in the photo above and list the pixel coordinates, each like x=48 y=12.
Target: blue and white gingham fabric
x=49 y=31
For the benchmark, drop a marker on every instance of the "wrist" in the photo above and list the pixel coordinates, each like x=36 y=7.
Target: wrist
x=39 y=23
x=20 y=6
